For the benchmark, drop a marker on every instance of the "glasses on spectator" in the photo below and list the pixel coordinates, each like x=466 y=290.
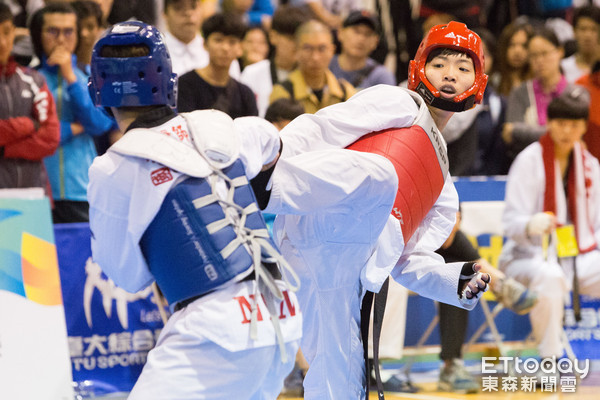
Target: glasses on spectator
x=541 y=55
x=54 y=32
x=311 y=49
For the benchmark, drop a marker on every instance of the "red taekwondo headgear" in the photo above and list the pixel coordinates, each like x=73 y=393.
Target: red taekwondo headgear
x=455 y=36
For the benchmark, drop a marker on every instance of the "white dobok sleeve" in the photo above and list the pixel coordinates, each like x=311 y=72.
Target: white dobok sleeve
x=123 y=202
x=335 y=180
x=420 y=268
x=339 y=125
x=260 y=143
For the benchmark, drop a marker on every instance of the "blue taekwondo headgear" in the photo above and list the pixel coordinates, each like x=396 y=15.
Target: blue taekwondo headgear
x=132 y=81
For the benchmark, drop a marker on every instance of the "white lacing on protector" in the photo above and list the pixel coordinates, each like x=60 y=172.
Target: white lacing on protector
x=257 y=242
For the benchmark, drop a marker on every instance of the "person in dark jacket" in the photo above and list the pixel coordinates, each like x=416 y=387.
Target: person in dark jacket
x=29 y=128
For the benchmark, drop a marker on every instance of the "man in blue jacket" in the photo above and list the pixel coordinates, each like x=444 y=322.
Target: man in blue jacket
x=54 y=36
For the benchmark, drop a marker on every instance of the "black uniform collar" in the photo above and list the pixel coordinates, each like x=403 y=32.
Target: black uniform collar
x=154 y=117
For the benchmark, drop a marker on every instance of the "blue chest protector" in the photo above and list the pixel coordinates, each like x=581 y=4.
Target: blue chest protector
x=193 y=246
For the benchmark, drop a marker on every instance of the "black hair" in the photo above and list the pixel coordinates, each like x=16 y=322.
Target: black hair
x=284 y=109
x=127 y=51
x=87 y=8
x=501 y=66
x=5 y=14
x=547 y=34
x=592 y=12
x=573 y=103
x=287 y=19
x=37 y=22
x=227 y=24
x=168 y=3
x=445 y=51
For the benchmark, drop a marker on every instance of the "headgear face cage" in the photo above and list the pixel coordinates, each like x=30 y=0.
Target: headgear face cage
x=132 y=81
x=454 y=36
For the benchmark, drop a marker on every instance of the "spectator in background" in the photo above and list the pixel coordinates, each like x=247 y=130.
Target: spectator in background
x=22 y=10
x=592 y=83
x=261 y=13
x=183 y=19
x=255 y=46
x=211 y=86
x=54 y=37
x=182 y=37
x=312 y=83
x=511 y=68
x=490 y=157
x=329 y=12
x=554 y=182
x=586 y=25
x=281 y=112
x=358 y=38
x=29 y=128
x=527 y=104
x=106 y=7
x=89 y=15
x=261 y=77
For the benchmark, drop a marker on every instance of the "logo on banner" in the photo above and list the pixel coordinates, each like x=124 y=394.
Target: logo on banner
x=109 y=292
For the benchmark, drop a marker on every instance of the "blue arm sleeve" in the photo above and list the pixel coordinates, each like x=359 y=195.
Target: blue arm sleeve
x=94 y=120
x=260 y=8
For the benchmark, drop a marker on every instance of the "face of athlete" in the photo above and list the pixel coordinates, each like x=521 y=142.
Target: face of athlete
x=451 y=74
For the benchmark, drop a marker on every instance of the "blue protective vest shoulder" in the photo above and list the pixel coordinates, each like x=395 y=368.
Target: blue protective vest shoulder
x=184 y=257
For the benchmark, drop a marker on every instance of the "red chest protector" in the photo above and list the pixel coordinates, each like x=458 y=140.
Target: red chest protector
x=419 y=156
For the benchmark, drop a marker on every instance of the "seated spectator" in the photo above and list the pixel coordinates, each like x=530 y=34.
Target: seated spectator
x=261 y=76
x=586 y=25
x=527 y=104
x=54 y=36
x=358 y=38
x=255 y=46
x=312 y=83
x=28 y=121
x=212 y=86
x=552 y=183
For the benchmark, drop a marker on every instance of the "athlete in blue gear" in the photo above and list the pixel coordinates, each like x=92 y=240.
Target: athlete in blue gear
x=171 y=203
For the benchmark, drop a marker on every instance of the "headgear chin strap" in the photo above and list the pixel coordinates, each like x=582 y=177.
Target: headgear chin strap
x=455 y=36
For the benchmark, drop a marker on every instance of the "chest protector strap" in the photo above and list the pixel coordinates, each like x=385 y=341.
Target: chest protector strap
x=204 y=238
x=420 y=159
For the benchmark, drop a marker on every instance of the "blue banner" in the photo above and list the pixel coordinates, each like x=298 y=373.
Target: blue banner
x=110 y=330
